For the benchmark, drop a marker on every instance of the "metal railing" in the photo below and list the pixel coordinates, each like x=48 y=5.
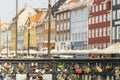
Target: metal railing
x=78 y=69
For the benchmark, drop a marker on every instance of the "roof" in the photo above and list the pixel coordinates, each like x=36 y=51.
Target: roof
x=56 y=6
x=74 y=0
x=3 y=24
x=76 y=6
x=36 y=18
x=82 y=5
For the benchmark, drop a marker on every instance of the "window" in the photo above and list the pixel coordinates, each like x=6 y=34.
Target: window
x=96 y=19
x=64 y=26
x=68 y=26
x=93 y=8
x=104 y=45
x=93 y=33
x=104 y=6
x=119 y=32
x=104 y=18
x=118 y=14
x=118 y=1
x=89 y=34
x=114 y=2
x=96 y=8
x=108 y=31
x=104 y=31
x=61 y=16
x=100 y=32
x=68 y=14
x=100 y=18
x=114 y=15
x=57 y=17
x=89 y=20
x=65 y=15
x=92 y=20
x=96 y=33
x=100 y=7
x=57 y=27
x=113 y=32
x=61 y=27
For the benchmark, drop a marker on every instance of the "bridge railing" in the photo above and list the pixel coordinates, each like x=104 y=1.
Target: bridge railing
x=82 y=69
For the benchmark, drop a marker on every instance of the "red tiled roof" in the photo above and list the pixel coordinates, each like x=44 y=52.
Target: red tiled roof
x=36 y=17
x=74 y=0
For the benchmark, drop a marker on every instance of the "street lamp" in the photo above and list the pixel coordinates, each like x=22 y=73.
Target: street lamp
x=49 y=26
x=28 y=40
x=29 y=34
x=16 y=27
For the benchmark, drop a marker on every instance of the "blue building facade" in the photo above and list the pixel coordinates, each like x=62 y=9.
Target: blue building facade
x=79 y=23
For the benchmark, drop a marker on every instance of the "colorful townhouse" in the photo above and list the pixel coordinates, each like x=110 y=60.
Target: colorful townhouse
x=52 y=32
x=63 y=25
x=115 y=21
x=99 y=24
x=23 y=16
x=34 y=31
x=78 y=23
x=40 y=28
x=4 y=36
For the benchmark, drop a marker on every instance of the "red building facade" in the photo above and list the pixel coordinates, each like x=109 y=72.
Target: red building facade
x=99 y=24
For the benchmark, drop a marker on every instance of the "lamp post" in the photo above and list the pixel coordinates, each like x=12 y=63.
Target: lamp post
x=16 y=27
x=29 y=35
x=28 y=41
x=7 y=41
x=49 y=26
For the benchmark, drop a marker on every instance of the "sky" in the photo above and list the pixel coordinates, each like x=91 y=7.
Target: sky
x=8 y=7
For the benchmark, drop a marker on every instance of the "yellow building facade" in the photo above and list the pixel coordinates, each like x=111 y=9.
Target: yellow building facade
x=13 y=37
x=32 y=38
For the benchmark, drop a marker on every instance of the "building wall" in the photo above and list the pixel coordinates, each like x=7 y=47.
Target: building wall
x=99 y=24
x=115 y=21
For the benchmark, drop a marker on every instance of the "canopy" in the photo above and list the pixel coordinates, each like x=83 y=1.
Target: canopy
x=112 y=49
